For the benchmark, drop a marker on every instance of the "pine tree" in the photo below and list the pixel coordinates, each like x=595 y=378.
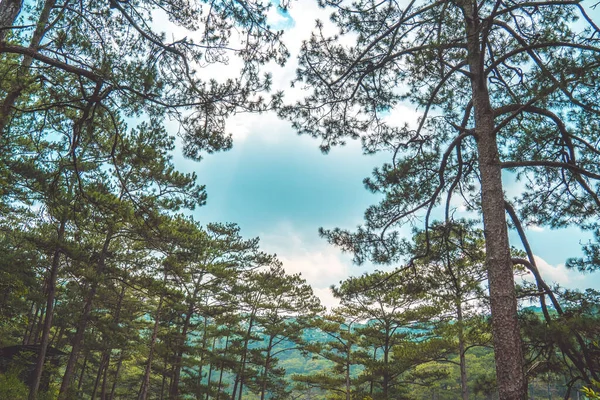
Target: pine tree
x=501 y=86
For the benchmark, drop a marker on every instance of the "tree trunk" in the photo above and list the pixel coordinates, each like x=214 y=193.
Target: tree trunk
x=174 y=390
x=386 y=360
x=348 y=397
x=146 y=381
x=116 y=377
x=203 y=351
x=222 y=368
x=109 y=347
x=101 y=368
x=505 y=327
x=164 y=379
x=82 y=372
x=77 y=342
x=38 y=326
x=266 y=370
x=239 y=378
x=461 y=352
x=9 y=10
x=210 y=369
x=39 y=368
x=32 y=316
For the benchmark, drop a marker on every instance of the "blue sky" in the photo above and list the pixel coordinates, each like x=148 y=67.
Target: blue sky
x=279 y=186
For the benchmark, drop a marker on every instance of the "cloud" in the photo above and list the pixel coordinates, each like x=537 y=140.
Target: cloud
x=319 y=263
x=326 y=297
x=535 y=228
x=558 y=274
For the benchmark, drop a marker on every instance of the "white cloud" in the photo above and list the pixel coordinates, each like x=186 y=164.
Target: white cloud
x=320 y=264
x=326 y=297
x=535 y=228
x=558 y=274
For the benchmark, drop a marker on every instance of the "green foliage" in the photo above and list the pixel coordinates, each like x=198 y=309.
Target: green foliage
x=11 y=387
x=592 y=392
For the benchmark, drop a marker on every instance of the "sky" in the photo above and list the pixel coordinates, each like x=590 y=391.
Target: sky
x=277 y=185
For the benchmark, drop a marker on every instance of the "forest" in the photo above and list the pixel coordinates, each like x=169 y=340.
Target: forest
x=111 y=288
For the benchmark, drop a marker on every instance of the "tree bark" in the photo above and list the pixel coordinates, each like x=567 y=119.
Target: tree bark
x=174 y=390
x=464 y=389
x=146 y=381
x=265 y=376
x=101 y=368
x=222 y=368
x=109 y=347
x=116 y=378
x=210 y=369
x=239 y=378
x=39 y=368
x=505 y=327
x=77 y=342
x=82 y=372
x=9 y=10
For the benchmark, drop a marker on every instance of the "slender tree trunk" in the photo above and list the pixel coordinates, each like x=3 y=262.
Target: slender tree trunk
x=222 y=368
x=348 y=397
x=210 y=369
x=30 y=322
x=101 y=367
x=203 y=351
x=386 y=360
x=109 y=347
x=371 y=384
x=505 y=327
x=39 y=324
x=77 y=342
x=116 y=377
x=266 y=370
x=461 y=352
x=85 y=359
x=103 y=391
x=164 y=379
x=174 y=391
x=239 y=378
x=39 y=368
x=57 y=336
x=146 y=381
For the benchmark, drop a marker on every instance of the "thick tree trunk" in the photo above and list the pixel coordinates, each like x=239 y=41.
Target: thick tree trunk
x=9 y=10
x=505 y=327
x=39 y=368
